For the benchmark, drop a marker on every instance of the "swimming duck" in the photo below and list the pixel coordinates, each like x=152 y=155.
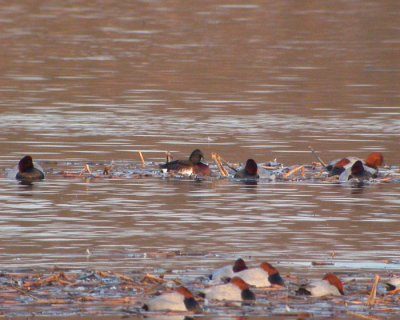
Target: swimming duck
x=228 y=271
x=393 y=284
x=369 y=166
x=180 y=300
x=250 y=171
x=329 y=285
x=235 y=290
x=26 y=170
x=191 y=166
x=263 y=276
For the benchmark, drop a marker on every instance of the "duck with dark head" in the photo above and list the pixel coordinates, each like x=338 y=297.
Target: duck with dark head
x=193 y=165
x=27 y=171
x=250 y=171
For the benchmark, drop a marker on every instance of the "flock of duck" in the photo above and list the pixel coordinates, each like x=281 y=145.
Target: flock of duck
x=235 y=283
x=348 y=168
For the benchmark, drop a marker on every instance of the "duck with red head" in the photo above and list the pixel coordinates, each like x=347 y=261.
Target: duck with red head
x=188 y=167
x=179 y=300
x=352 y=167
x=329 y=285
x=250 y=171
x=263 y=276
x=27 y=171
x=235 y=290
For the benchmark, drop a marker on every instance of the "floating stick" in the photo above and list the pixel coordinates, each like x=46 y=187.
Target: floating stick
x=372 y=295
x=86 y=168
x=168 y=156
x=293 y=171
x=221 y=168
x=142 y=158
x=317 y=156
x=362 y=316
x=227 y=164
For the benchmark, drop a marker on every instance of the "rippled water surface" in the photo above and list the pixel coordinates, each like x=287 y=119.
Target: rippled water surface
x=97 y=81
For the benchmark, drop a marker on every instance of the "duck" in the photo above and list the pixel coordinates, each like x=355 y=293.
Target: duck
x=329 y=285
x=179 y=300
x=235 y=290
x=263 y=276
x=250 y=171
x=188 y=167
x=228 y=271
x=393 y=284
x=27 y=171
x=345 y=165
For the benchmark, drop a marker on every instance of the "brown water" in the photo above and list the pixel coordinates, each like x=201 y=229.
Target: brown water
x=96 y=81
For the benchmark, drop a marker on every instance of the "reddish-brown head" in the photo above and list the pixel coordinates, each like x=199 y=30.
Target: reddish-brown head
x=333 y=280
x=251 y=167
x=184 y=292
x=269 y=268
x=238 y=282
x=374 y=160
x=342 y=163
x=239 y=265
x=25 y=164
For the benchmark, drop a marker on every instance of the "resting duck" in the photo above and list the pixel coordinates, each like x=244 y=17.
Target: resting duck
x=352 y=167
x=26 y=170
x=191 y=166
x=263 y=276
x=180 y=300
x=250 y=171
x=228 y=271
x=329 y=285
x=235 y=290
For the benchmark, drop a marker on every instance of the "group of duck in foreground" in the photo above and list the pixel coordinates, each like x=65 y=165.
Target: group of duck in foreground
x=341 y=170
x=235 y=283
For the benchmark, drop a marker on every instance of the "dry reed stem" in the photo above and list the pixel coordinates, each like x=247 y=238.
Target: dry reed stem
x=372 y=295
x=362 y=316
x=86 y=169
x=293 y=171
x=227 y=164
x=221 y=168
x=269 y=167
x=152 y=278
x=317 y=156
x=142 y=158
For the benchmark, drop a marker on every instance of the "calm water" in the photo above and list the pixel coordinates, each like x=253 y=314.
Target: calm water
x=96 y=81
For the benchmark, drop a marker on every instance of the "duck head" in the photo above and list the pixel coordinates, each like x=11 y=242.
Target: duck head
x=251 y=167
x=334 y=281
x=25 y=164
x=374 y=160
x=196 y=156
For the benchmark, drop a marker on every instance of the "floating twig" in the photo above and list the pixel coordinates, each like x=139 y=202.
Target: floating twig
x=317 y=156
x=372 y=295
x=142 y=158
x=217 y=160
x=86 y=169
x=362 y=316
x=295 y=170
x=168 y=156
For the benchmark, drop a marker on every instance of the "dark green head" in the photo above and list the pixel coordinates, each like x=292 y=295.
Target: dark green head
x=196 y=156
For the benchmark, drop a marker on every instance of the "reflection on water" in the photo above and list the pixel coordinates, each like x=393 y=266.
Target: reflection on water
x=51 y=221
